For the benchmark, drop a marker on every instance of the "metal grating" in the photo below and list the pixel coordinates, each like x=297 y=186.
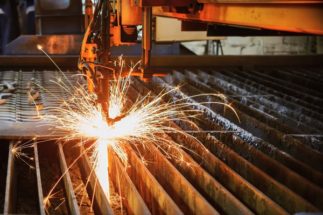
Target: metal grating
x=21 y=116
x=269 y=162
x=18 y=107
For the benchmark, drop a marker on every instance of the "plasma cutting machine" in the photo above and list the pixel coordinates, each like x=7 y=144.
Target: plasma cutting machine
x=114 y=23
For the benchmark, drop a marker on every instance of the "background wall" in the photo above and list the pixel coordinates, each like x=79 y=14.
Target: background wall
x=281 y=45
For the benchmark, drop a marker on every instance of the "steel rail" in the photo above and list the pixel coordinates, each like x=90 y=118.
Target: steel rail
x=101 y=204
x=70 y=194
x=125 y=187
x=148 y=187
x=39 y=184
x=10 y=181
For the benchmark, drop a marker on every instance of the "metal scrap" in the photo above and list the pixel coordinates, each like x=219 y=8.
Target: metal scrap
x=6 y=90
x=32 y=92
x=8 y=86
x=4 y=97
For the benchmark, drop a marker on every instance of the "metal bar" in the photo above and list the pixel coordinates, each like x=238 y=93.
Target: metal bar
x=246 y=192
x=300 y=95
x=71 y=199
x=149 y=188
x=309 y=81
x=10 y=182
x=39 y=184
x=251 y=171
x=269 y=128
x=202 y=61
x=272 y=104
x=295 y=148
x=250 y=195
x=288 y=192
x=281 y=173
x=267 y=16
x=285 y=197
x=182 y=192
x=70 y=61
x=219 y=195
x=146 y=38
x=278 y=99
x=132 y=199
x=27 y=130
x=289 y=88
x=101 y=203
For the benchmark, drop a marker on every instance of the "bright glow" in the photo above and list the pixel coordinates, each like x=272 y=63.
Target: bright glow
x=145 y=120
x=101 y=166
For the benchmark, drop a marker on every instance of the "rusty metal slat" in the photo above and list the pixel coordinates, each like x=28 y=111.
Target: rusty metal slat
x=231 y=83
x=226 y=201
x=39 y=184
x=288 y=88
x=261 y=175
x=276 y=137
x=246 y=83
x=268 y=106
x=280 y=190
x=10 y=181
x=299 y=184
x=264 y=182
x=286 y=74
x=255 y=157
x=94 y=188
x=275 y=102
x=71 y=199
x=281 y=173
x=250 y=195
x=149 y=188
x=164 y=202
x=310 y=105
x=280 y=97
x=124 y=185
x=197 y=175
x=299 y=150
x=313 y=74
x=245 y=191
x=184 y=194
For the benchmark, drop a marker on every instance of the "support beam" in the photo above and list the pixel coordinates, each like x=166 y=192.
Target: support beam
x=101 y=203
x=71 y=199
x=148 y=186
x=282 y=17
x=39 y=184
x=126 y=189
x=10 y=181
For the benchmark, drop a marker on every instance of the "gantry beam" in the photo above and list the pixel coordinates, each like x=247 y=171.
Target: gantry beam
x=302 y=18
